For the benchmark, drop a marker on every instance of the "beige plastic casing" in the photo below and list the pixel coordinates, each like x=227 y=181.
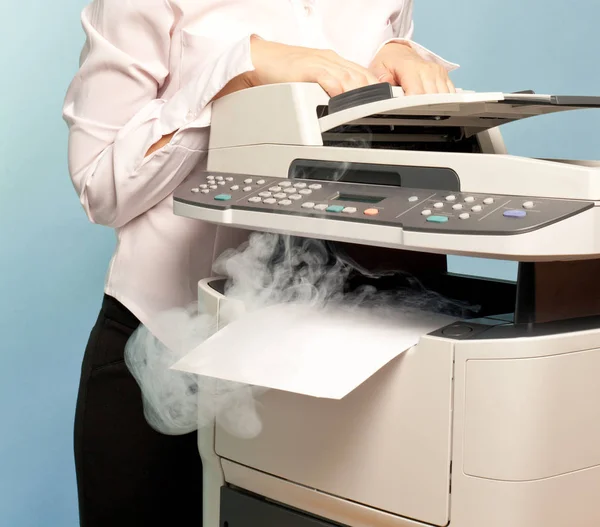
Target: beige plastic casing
x=462 y=433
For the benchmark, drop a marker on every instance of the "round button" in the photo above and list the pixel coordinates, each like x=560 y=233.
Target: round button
x=254 y=199
x=412 y=199
x=458 y=206
x=305 y=191
x=290 y=190
x=270 y=201
x=469 y=199
x=260 y=182
x=295 y=197
x=488 y=201
x=210 y=178
x=285 y=184
x=465 y=216
x=265 y=194
x=315 y=186
x=213 y=187
x=248 y=181
x=321 y=206
x=220 y=182
x=426 y=212
x=476 y=208
x=308 y=205
x=457 y=330
x=195 y=190
x=280 y=195
x=228 y=178
x=371 y=212
x=204 y=185
x=300 y=185
x=439 y=205
x=349 y=210
x=450 y=198
x=247 y=189
x=235 y=187
x=205 y=191
x=219 y=178
x=528 y=205
x=275 y=189
x=285 y=202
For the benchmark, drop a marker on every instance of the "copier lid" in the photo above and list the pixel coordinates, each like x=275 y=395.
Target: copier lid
x=383 y=104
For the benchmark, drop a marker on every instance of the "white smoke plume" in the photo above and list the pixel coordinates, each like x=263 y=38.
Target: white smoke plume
x=268 y=270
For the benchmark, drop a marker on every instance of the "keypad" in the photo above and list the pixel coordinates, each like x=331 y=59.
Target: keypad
x=425 y=209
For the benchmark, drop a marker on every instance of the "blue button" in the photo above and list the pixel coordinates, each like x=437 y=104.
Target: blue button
x=514 y=214
x=335 y=208
x=437 y=219
x=223 y=197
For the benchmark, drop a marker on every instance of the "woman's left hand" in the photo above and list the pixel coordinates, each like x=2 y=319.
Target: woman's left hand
x=398 y=64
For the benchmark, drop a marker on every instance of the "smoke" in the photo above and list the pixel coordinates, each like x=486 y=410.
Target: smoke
x=268 y=270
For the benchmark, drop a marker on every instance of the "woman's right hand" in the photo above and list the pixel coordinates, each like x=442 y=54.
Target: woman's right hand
x=276 y=63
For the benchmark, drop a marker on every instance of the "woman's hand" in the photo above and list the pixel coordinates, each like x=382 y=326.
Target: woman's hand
x=277 y=63
x=398 y=64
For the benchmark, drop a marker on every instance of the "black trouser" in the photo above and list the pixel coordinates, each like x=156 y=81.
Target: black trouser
x=128 y=474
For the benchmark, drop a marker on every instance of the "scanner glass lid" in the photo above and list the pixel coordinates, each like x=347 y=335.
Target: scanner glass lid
x=475 y=111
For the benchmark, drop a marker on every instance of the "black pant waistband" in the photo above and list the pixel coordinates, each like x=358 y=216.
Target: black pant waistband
x=114 y=310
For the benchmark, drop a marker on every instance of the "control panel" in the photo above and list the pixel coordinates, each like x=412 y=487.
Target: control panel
x=408 y=208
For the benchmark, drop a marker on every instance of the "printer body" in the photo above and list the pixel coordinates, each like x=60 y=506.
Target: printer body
x=492 y=421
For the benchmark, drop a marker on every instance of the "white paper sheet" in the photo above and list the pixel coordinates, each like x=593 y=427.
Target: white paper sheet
x=307 y=351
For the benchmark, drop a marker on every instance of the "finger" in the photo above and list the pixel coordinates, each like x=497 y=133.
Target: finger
x=442 y=85
x=329 y=82
x=429 y=83
x=351 y=79
x=412 y=85
x=357 y=68
x=369 y=76
x=383 y=74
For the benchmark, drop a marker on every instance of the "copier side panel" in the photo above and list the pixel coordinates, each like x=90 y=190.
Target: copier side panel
x=526 y=449
x=386 y=445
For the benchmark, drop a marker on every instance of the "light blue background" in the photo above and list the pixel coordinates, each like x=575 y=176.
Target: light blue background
x=53 y=261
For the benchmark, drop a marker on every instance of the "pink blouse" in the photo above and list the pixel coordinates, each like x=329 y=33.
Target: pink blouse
x=150 y=67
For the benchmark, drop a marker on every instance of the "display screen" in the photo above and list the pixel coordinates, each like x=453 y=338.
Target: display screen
x=356 y=198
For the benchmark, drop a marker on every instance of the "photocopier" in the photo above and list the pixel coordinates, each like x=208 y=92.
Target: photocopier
x=491 y=421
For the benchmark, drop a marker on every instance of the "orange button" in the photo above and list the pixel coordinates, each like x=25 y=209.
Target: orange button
x=372 y=212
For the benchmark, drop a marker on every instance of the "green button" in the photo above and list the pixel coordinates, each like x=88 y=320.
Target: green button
x=223 y=197
x=335 y=208
x=437 y=219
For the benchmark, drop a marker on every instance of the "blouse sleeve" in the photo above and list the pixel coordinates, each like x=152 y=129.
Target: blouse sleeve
x=404 y=28
x=115 y=114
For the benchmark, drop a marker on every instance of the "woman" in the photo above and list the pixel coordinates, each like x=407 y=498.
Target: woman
x=139 y=112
